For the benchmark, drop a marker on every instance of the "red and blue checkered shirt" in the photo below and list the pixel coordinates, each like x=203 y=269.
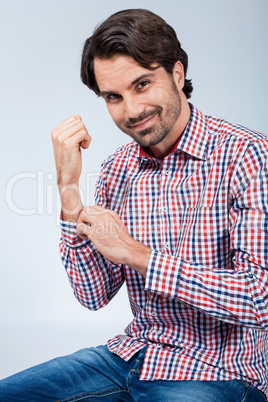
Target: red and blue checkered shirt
x=202 y=309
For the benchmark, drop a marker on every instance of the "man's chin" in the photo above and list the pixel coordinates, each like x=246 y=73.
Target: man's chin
x=145 y=138
x=148 y=142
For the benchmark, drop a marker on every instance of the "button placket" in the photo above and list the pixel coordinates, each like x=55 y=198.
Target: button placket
x=166 y=172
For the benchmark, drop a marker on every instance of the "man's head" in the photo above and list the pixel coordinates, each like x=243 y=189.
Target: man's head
x=137 y=33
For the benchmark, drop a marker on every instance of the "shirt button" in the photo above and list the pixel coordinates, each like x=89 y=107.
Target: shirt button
x=168 y=172
x=159 y=345
x=165 y=209
x=153 y=313
x=167 y=245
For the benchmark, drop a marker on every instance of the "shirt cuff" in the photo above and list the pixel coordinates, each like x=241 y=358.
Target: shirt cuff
x=163 y=274
x=69 y=235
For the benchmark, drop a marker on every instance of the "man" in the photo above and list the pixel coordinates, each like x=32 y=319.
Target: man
x=181 y=216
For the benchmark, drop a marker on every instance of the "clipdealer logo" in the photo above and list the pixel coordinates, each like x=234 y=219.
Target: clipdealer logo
x=44 y=196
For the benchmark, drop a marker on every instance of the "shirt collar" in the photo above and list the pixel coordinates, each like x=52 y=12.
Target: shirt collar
x=194 y=139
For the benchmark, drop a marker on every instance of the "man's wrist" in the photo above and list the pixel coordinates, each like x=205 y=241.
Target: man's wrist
x=138 y=257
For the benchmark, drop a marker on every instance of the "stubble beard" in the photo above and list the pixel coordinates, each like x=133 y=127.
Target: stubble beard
x=154 y=135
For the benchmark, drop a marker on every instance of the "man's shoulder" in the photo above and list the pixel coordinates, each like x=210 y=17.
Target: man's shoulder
x=237 y=137
x=224 y=128
x=123 y=154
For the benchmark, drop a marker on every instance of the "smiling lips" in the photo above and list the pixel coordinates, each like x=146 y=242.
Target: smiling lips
x=142 y=123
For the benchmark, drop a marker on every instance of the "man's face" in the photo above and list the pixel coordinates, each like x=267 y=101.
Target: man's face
x=145 y=104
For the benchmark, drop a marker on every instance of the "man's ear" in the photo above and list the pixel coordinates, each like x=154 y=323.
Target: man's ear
x=178 y=75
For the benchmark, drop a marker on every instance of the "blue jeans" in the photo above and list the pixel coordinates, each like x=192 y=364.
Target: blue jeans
x=95 y=374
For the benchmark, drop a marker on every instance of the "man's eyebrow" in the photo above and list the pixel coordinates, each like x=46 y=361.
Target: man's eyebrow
x=103 y=93
x=141 y=77
x=133 y=83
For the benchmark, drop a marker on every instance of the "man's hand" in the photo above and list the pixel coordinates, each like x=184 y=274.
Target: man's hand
x=111 y=237
x=68 y=139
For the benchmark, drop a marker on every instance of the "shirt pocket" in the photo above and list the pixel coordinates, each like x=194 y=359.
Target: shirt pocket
x=204 y=236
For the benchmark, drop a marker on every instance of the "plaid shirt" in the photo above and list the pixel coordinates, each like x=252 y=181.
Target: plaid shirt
x=202 y=309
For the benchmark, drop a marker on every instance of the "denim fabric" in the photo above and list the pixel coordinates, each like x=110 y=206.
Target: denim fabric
x=95 y=374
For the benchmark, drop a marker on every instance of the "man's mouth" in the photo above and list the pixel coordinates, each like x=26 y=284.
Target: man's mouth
x=144 y=123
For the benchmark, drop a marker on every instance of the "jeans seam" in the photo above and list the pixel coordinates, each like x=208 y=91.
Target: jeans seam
x=262 y=394
x=249 y=389
x=102 y=394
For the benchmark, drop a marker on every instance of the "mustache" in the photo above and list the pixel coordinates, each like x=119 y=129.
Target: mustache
x=143 y=116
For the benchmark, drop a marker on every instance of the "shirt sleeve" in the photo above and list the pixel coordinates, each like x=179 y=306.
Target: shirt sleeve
x=94 y=279
x=237 y=293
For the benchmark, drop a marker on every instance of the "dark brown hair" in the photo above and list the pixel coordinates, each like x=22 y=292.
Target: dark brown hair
x=138 y=33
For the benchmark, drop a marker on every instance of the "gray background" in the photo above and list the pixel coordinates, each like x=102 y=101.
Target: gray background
x=41 y=44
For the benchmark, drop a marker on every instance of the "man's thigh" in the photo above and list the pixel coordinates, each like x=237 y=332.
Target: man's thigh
x=194 y=391
x=89 y=374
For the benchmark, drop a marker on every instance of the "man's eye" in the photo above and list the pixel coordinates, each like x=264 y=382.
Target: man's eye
x=142 y=84
x=112 y=97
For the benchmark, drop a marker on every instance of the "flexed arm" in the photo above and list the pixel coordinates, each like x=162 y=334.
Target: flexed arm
x=68 y=139
x=94 y=279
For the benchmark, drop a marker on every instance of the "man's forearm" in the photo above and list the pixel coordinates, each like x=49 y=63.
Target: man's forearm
x=68 y=139
x=71 y=203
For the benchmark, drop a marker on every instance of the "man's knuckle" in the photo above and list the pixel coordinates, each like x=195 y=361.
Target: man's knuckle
x=65 y=143
x=114 y=214
x=54 y=134
x=80 y=126
x=109 y=213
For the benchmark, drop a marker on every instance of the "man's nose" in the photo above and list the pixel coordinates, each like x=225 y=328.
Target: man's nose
x=133 y=107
